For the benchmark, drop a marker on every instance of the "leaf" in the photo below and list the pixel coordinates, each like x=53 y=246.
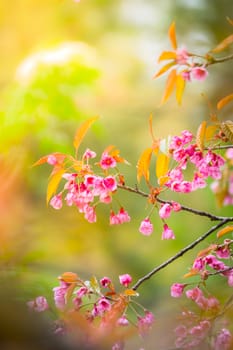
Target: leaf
x=224 y=231
x=227 y=128
x=162 y=163
x=180 y=85
x=94 y=284
x=192 y=272
x=69 y=277
x=172 y=35
x=223 y=44
x=131 y=293
x=59 y=157
x=230 y=20
x=167 y=55
x=170 y=85
x=200 y=137
x=225 y=100
x=210 y=131
x=144 y=164
x=206 y=251
x=81 y=132
x=164 y=69
x=54 y=181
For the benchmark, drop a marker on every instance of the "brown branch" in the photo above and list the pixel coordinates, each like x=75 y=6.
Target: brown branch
x=183 y=207
x=180 y=253
x=213 y=60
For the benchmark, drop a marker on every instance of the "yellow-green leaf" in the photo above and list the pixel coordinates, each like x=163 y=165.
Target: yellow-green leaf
x=227 y=128
x=224 y=231
x=180 y=85
x=223 y=44
x=131 y=293
x=82 y=130
x=144 y=164
x=172 y=35
x=200 y=137
x=54 y=181
x=210 y=131
x=170 y=85
x=161 y=170
x=225 y=100
x=167 y=55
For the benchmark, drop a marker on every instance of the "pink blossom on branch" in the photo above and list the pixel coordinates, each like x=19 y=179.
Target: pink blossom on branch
x=199 y=73
x=177 y=290
x=146 y=227
x=167 y=233
x=125 y=279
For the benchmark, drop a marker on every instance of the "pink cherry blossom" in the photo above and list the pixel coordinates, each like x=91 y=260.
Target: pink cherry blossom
x=165 y=211
x=105 y=282
x=199 y=73
x=125 y=279
x=182 y=56
x=107 y=161
x=88 y=154
x=167 y=233
x=146 y=227
x=56 y=201
x=177 y=290
x=223 y=340
x=40 y=304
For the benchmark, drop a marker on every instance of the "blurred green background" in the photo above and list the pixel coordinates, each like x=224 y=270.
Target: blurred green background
x=62 y=62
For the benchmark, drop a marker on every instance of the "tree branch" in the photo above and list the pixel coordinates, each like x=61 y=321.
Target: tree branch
x=183 y=207
x=180 y=253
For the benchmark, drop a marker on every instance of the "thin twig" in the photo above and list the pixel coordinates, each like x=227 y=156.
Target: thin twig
x=214 y=60
x=183 y=207
x=180 y=253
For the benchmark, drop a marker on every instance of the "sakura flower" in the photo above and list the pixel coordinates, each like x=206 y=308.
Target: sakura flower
x=105 y=282
x=122 y=321
x=181 y=56
x=107 y=161
x=223 y=340
x=177 y=290
x=56 y=201
x=165 y=211
x=146 y=227
x=39 y=304
x=199 y=73
x=145 y=323
x=114 y=219
x=90 y=214
x=123 y=216
x=167 y=233
x=88 y=154
x=229 y=153
x=125 y=279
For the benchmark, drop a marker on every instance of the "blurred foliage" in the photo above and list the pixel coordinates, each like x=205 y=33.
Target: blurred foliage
x=61 y=62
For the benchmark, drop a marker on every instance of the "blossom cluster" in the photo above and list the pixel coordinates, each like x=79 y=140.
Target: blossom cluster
x=84 y=189
x=103 y=309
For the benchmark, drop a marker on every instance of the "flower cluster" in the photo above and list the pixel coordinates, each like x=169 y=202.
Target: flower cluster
x=103 y=310
x=206 y=165
x=84 y=189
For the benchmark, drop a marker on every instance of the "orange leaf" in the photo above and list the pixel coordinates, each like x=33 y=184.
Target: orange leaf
x=68 y=277
x=200 y=137
x=225 y=100
x=180 y=85
x=55 y=179
x=144 y=164
x=172 y=35
x=162 y=166
x=131 y=293
x=210 y=131
x=82 y=130
x=164 y=69
x=167 y=55
x=223 y=44
x=192 y=272
x=59 y=158
x=206 y=251
x=224 y=231
x=170 y=85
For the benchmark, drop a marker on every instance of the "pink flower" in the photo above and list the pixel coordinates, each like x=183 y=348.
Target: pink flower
x=123 y=216
x=182 y=56
x=105 y=282
x=107 y=161
x=145 y=323
x=167 y=233
x=177 y=290
x=81 y=292
x=186 y=75
x=39 y=304
x=165 y=211
x=90 y=214
x=114 y=219
x=88 y=154
x=103 y=305
x=223 y=340
x=125 y=279
x=199 y=73
x=229 y=153
x=176 y=206
x=110 y=183
x=146 y=227
x=122 y=321
x=52 y=160
x=56 y=201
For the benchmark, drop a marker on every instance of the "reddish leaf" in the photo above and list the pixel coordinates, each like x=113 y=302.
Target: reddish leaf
x=223 y=44
x=54 y=181
x=172 y=35
x=144 y=164
x=180 y=85
x=81 y=132
x=200 y=137
x=206 y=251
x=167 y=55
x=192 y=272
x=225 y=100
x=170 y=85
